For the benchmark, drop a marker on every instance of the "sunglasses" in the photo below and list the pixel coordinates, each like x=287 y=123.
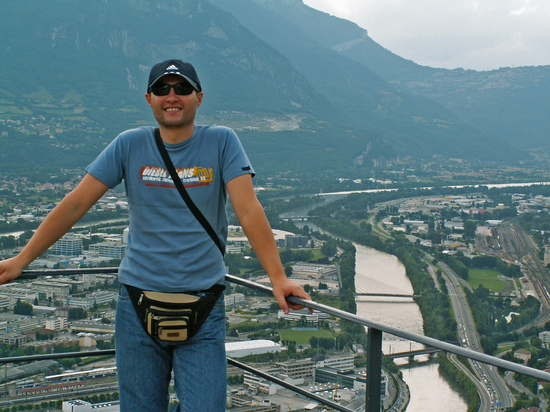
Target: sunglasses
x=181 y=89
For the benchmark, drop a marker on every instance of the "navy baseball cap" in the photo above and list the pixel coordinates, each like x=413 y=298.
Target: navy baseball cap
x=177 y=67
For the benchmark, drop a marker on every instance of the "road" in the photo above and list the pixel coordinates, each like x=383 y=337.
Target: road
x=493 y=391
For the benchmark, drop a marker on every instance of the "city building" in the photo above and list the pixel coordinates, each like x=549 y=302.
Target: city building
x=112 y=250
x=11 y=323
x=261 y=385
x=13 y=339
x=545 y=338
x=103 y=297
x=235 y=249
x=14 y=292
x=95 y=298
x=78 y=302
x=523 y=354
x=56 y=324
x=240 y=403
x=297 y=368
x=91 y=327
x=233 y=299
x=251 y=347
x=68 y=245
x=83 y=406
x=74 y=285
x=302 y=314
x=296 y=241
x=314 y=269
x=348 y=379
x=50 y=289
x=343 y=362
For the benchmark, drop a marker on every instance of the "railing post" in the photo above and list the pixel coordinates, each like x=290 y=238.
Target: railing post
x=374 y=370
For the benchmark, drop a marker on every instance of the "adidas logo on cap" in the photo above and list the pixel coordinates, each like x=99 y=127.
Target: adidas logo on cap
x=177 y=67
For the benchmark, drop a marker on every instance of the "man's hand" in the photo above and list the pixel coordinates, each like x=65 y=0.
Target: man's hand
x=10 y=269
x=286 y=287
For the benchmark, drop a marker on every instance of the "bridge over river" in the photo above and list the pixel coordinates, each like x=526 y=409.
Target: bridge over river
x=365 y=286
x=411 y=354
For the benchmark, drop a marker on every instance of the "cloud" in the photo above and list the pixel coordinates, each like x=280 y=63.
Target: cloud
x=471 y=34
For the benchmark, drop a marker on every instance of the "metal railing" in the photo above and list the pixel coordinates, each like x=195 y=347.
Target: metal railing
x=373 y=351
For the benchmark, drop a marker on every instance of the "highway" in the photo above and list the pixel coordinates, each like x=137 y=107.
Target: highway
x=493 y=391
x=509 y=242
x=512 y=244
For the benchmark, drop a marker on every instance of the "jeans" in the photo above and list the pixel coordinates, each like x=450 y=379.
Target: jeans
x=145 y=364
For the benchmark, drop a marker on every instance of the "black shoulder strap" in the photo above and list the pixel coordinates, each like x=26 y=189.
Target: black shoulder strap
x=185 y=196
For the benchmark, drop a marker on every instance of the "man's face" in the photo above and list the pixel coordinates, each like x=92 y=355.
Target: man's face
x=174 y=110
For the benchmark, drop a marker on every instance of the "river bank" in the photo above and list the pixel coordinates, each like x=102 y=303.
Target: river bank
x=428 y=390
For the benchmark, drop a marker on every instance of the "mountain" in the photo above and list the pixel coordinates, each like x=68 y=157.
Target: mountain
x=291 y=80
x=413 y=124
x=508 y=103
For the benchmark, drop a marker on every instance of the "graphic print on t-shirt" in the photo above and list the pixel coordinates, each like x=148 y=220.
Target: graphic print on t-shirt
x=190 y=176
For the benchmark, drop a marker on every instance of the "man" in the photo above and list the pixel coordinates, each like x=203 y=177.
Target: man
x=168 y=249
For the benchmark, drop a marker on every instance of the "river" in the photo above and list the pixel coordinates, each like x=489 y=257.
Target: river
x=429 y=391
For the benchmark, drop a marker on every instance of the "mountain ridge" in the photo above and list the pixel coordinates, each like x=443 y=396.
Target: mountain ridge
x=273 y=77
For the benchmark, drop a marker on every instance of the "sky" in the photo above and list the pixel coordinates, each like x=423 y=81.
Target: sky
x=468 y=34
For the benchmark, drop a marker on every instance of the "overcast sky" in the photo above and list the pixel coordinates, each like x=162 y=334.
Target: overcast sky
x=480 y=35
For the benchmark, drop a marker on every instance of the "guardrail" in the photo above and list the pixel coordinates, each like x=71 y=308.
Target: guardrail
x=373 y=350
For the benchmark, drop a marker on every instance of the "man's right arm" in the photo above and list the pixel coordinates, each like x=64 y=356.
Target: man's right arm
x=58 y=222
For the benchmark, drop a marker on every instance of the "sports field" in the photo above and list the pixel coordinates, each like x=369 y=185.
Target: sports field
x=489 y=278
x=302 y=337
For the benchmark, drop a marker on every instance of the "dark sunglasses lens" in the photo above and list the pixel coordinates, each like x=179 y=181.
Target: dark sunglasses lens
x=161 y=89
x=181 y=89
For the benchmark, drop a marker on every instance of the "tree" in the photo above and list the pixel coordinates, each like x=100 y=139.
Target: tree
x=77 y=313
x=329 y=248
x=288 y=270
x=22 y=308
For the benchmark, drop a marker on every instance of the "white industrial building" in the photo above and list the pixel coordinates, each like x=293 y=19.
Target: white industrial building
x=251 y=347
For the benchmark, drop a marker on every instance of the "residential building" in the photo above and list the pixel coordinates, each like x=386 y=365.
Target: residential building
x=545 y=337
x=56 y=323
x=523 y=354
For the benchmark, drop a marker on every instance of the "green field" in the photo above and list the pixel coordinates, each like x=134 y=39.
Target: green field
x=302 y=337
x=488 y=278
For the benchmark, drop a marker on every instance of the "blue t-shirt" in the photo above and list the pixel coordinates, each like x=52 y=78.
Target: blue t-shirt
x=168 y=249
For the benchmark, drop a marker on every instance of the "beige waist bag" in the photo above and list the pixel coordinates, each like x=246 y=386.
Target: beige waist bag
x=173 y=317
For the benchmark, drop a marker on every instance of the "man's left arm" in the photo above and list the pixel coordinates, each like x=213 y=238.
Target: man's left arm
x=255 y=225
